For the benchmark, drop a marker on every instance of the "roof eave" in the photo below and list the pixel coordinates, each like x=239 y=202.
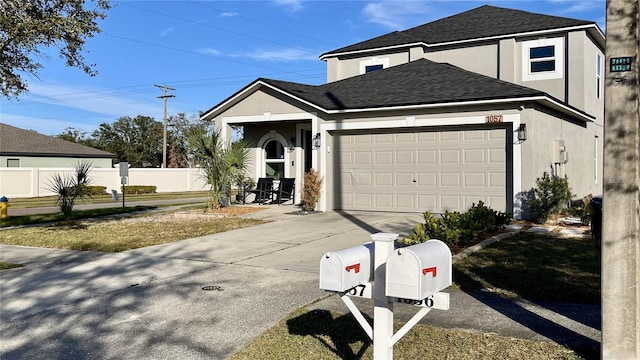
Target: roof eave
x=592 y=28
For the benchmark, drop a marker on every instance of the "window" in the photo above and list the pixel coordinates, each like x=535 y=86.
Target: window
x=371 y=68
x=373 y=64
x=13 y=162
x=598 y=75
x=542 y=59
x=274 y=159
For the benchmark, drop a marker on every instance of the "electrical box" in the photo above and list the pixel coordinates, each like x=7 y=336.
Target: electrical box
x=559 y=152
x=343 y=269
x=417 y=272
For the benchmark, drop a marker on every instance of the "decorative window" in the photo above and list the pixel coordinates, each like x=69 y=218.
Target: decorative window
x=373 y=64
x=274 y=159
x=598 y=76
x=370 y=68
x=13 y=162
x=542 y=59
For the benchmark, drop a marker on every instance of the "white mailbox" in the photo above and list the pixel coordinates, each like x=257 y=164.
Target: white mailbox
x=418 y=271
x=341 y=270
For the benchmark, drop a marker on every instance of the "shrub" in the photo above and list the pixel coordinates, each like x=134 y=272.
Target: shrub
x=95 y=190
x=311 y=190
x=551 y=195
x=139 y=189
x=455 y=228
x=71 y=188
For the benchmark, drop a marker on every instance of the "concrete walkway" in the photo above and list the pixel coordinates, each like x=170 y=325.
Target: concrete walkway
x=150 y=304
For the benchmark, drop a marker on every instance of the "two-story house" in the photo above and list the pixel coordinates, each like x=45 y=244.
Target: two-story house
x=471 y=107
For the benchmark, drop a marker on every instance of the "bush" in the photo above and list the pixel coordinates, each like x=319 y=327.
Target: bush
x=550 y=196
x=458 y=229
x=95 y=190
x=139 y=189
x=311 y=190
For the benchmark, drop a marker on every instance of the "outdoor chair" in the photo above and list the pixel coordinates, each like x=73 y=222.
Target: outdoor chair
x=286 y=191
x=262 y=190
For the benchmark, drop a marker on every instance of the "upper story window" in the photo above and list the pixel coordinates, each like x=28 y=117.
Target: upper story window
x=13 y=162
x=373 y=64
x=542 y=59
x=370 y=68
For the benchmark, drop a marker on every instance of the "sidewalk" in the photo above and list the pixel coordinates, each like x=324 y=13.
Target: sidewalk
x=149 y=303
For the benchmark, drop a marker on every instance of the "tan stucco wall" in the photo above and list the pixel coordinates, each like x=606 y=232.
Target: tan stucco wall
x=258 y=103
x=582 y=75
x=538 y=152
x=482 y=59
x=348 y=67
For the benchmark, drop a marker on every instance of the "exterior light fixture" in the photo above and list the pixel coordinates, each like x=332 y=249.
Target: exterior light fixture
x=522 y=132
x=291 y=145
x=316 y=141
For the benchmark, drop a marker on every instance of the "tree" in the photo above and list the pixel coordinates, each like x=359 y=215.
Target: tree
x=222 y=165
x=179 y=126
x=71 y=188
x=135 y=140
x=27 y=27
x=74 y=135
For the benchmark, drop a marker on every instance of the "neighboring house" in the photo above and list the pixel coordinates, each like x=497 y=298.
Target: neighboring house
x=27 y=148
x=471 y=107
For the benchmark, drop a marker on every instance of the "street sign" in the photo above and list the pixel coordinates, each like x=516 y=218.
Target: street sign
x=620 y=64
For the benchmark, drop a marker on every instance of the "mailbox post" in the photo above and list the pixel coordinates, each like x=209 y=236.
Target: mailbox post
x=411 y=275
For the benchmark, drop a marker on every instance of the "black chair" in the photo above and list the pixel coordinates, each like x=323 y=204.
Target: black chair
x=286 y=191
x=262 y=190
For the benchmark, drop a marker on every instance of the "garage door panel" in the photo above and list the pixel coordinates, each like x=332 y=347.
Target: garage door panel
x=450 y=156
x=422 y=171
x=384 y=179
x=450 y=180
x=474 y=180
x=363 y=178
x=427 y=157
x=450 y=202
x=383 y=200
x=427 y=179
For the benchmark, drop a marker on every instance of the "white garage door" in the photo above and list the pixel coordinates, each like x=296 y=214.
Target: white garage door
x=421 y=171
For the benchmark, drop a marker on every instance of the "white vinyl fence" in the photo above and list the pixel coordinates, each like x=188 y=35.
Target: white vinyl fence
x=32 y=182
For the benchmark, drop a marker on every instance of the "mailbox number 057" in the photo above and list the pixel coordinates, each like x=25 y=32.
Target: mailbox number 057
x=357 y=290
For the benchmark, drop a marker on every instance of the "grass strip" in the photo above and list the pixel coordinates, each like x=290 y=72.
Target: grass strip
x=535 y=267
x=78 y=214
x=320 y=334
x=121 y=234
x=7 y=265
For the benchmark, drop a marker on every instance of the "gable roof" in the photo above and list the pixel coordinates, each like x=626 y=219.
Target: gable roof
x=19 y=142
x=421 y=83
x=480 y=23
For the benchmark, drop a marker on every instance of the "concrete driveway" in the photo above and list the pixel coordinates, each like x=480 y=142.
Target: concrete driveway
x=150 y=304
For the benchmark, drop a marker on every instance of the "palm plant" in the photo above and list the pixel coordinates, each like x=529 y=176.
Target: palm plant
x=222 y=165
x=71 y=188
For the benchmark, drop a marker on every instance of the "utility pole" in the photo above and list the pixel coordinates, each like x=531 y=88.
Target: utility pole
x=164 y=121
x=621 y=217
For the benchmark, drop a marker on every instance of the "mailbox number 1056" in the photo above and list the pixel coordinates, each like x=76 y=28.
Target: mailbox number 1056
x=428 y=302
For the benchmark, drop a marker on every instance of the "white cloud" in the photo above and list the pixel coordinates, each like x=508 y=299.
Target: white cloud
x=395 y=15
x=293 y=5
x=47 y=126
x=208 y=51
x=228 y=14
x=278 y=55
x=167 y=31
x=578 y=6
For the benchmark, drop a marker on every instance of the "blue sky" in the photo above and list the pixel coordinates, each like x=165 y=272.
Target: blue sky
x=207 y=50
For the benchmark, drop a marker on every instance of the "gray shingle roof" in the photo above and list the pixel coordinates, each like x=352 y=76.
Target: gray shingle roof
x=415 y=83
x=19 y=142
x=482 y=22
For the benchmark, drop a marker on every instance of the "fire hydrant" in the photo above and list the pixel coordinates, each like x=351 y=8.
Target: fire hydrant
x=4 y=204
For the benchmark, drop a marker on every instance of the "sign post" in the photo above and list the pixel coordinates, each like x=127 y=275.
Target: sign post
x=124 y=174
